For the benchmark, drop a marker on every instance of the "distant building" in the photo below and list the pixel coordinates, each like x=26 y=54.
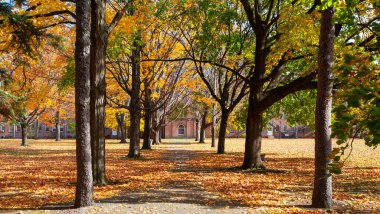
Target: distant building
x=279 y=128
x=8 y=130
x=182 y=127
x=185 y=127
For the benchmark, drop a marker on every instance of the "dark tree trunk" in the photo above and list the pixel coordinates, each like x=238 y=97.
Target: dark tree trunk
x=58 y=127
x=98 y=89
x=157 y=129
x=202 y=138
x=148 y=117
x=213 y=127
x=120 y=118
x=147 y=142
x=24 y=135
x=84 y=186
x=222 y=131
x=161 y=133
x=36 y=129
x=252 y=154
x=134 y=146
x=322 y=192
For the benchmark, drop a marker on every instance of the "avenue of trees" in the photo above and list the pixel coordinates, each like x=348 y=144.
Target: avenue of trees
x=136 y=65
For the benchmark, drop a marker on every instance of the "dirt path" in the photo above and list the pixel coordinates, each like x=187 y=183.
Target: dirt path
x=180 y=196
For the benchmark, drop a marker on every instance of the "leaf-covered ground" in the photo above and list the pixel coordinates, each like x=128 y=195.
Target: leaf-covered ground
x=43 y=174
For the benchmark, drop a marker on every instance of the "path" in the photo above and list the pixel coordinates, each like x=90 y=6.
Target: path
x=181 y=196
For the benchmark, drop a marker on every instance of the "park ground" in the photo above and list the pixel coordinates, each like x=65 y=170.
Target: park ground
x=182 y=176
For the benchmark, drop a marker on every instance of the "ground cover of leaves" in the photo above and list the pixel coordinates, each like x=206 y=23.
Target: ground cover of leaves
x=287 y=184
x=44 y=173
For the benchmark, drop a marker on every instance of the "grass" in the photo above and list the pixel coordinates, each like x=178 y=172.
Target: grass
x=44 y=173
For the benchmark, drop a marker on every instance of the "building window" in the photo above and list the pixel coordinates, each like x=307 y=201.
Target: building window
x=18 y=128
x=277 y=128
x=61 y=129
x=2 y=128
x=10 y=129
x=47 y=129
x=285 y=128
x=181 y=130
x=40 y=127
x=54 y=129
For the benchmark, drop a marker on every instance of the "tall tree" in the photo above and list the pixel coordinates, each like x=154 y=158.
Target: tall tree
x=135 y=106
x=322 y=192
x=100 y=32
x=268 y=81
x=215 y=43
x=84 y=186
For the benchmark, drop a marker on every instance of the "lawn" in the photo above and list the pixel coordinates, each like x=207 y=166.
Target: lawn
x=44 y=173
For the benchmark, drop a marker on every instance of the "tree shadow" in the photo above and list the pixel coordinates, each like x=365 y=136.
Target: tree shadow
x=179 y=192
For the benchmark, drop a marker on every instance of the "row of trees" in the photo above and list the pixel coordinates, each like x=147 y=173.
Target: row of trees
x=221 y=57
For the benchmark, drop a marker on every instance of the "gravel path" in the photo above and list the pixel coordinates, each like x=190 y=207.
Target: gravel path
x=178 y=197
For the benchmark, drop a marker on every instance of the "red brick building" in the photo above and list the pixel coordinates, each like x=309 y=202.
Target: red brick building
x=8 y=130
x=185 y=127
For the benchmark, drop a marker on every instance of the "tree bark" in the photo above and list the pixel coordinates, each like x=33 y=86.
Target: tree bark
x=252 y=154
x=197 y=130
x=84 y=186
x=148 y=117
x=213 y=127
x=202 y=136
x=98 y=89
x=156 y=137
x=157 y=129
x=58 y=127
x=322 y=192
x=147 y=142
x=134 y=146
x=120 y=118
x=36 y=129
x=24 y=136
x=222 y=131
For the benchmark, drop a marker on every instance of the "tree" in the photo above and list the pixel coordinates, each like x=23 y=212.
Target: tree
x=135 y=106
x=266 y=88
x=215 y=43
x=100 y=32
x=84 y=187
x=322 y=192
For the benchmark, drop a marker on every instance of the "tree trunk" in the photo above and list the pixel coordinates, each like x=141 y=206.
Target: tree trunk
x=148 y=117
x=222 y=132
x=197 y=130
x=213 y=127
x=120 y=118
x=134 y=146
x=98 y=89
x=252 y=154
x=36 y=129
x=157 y=129
x=147 y=143
x=84 y=186
x=58 y=127
x=202 y=138
x=24 y=135
x=156 y=137
x=322 y=192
